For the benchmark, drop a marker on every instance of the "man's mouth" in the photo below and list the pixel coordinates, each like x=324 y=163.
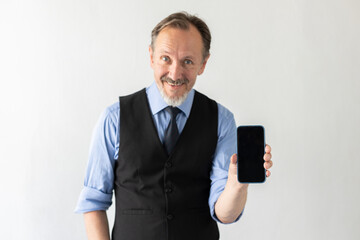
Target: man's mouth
x=174 y=83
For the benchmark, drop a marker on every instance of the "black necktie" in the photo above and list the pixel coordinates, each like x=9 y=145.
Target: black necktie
x=172 y=132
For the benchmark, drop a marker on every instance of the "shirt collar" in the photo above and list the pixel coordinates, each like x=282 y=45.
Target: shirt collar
x=157 y=103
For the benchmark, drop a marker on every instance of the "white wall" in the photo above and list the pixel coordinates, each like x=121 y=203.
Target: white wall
x=292 y=66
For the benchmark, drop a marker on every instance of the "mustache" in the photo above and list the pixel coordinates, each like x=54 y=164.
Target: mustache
x=174 y=82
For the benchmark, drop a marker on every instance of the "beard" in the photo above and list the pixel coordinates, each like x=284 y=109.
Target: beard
x=177 y=100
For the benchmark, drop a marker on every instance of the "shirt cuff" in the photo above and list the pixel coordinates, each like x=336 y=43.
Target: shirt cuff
x=93 y=200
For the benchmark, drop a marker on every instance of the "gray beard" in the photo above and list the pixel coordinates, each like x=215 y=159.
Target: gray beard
x=175 y=101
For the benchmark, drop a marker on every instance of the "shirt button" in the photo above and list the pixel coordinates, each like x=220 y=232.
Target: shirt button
x=168 y=164
x=170 y=217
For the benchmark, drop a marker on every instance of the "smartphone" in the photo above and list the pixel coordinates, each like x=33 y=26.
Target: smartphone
x=251 y=150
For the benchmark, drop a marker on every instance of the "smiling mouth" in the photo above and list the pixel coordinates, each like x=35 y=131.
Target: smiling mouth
x=172 y=82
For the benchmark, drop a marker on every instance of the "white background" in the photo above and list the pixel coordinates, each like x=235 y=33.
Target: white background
x=290 y=65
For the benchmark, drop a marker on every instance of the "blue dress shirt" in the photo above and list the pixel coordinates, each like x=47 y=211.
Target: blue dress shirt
x=99 y=179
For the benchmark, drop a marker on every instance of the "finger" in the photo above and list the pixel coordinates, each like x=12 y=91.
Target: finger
x=233 y=159
x=268 y=173
x=267 y=148
x=268 y=164
x=233 y=165
x=267 y=156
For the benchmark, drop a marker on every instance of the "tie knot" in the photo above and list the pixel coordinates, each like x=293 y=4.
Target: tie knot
x=174 y=111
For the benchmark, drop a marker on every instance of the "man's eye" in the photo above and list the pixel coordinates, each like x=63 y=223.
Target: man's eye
x=187 y=62
x=164 y=58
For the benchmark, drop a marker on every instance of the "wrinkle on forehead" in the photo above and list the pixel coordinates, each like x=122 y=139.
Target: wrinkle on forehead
x=180 y=43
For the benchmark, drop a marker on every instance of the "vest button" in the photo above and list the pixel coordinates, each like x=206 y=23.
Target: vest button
x=170 y=217
x=168 y=164
x=168 y=190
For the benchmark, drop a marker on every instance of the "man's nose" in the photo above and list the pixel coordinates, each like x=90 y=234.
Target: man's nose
x=175 y=71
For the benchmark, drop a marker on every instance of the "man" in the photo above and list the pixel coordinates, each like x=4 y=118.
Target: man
x=173 y=169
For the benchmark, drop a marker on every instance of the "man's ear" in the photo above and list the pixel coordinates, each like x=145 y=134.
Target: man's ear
x=203 y=65
x=151 y=52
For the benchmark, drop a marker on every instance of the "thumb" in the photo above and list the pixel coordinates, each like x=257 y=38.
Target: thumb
x=233 y=165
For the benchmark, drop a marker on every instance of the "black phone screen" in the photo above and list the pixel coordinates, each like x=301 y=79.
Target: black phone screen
x=251 y=149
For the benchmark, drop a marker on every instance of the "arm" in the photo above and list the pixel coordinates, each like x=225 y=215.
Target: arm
x=97 y=226
x=227 y=199
x=227 y=196
x=96 y=196
x=232 y=200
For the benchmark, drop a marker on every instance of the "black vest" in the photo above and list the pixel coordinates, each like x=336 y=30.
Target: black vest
x=161 y=197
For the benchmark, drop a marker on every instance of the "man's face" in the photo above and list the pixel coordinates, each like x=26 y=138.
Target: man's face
x=177 y=60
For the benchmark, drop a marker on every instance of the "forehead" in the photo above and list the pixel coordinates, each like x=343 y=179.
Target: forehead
x=175 y=40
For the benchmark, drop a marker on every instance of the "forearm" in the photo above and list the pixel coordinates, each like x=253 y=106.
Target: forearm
x=231 y=202
x=97 y=226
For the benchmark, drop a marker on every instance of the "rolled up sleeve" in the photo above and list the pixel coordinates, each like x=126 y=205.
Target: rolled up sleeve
x=99 y=177
x=93 y=200
x=225 y=148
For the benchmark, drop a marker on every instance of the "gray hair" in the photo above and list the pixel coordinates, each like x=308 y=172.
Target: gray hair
x=182 y=20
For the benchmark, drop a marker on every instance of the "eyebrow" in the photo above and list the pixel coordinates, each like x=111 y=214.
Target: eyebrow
x=187 y=56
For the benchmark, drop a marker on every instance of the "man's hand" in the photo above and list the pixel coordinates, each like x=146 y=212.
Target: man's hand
x=233 y=165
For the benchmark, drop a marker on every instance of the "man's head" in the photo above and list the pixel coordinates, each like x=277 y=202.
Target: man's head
x=183 y=20
x=179 y=51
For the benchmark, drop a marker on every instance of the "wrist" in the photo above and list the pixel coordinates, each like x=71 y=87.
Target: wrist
x=234 y=186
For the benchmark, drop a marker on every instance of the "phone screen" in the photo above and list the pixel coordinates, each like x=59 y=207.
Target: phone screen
x=251 y=149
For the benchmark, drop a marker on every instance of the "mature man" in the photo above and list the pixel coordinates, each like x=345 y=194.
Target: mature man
x=167 y=151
